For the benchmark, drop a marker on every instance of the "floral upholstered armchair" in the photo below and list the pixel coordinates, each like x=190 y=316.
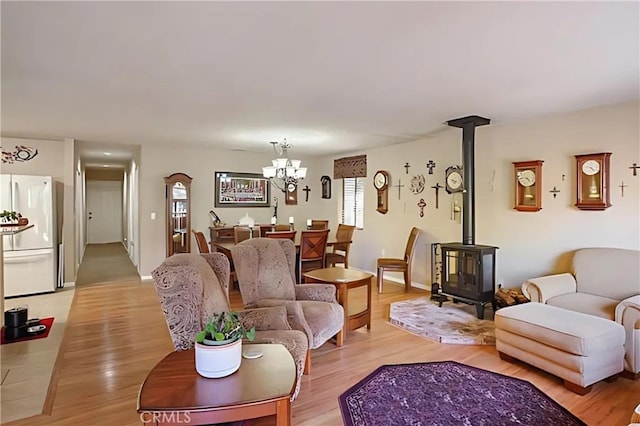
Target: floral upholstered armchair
x=265 y=268
x=192 y=287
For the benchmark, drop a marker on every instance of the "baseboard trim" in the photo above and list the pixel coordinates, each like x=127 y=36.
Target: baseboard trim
x=394 y=279
x=146 y=278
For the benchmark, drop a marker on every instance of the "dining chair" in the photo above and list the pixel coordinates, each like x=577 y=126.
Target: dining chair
x=399 y=265
x=319 y=224
x=282 y=234
x=192 y=287
x=340 y=250
x=282 y=227
x=241 y=233
x=203 y=246
x=264 y=229
x=313 y=248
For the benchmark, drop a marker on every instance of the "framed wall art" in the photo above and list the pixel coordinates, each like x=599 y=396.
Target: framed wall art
x=241 y=190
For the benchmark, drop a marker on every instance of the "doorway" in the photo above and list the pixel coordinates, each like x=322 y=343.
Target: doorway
x=104 y=211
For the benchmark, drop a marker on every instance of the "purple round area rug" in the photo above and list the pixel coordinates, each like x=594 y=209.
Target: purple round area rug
x=448 y=393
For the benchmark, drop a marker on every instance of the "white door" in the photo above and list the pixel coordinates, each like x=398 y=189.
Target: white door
x=104 y=211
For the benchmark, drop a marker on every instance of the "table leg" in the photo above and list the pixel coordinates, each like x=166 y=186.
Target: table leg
x=369 y=304
x=283 y=412
x=343 y=299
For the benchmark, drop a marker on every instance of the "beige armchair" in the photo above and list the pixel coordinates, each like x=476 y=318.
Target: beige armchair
x=603 y=282
x=266 y=269
x=192 y=287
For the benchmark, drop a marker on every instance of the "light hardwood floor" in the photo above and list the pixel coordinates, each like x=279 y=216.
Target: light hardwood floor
x=116 y=333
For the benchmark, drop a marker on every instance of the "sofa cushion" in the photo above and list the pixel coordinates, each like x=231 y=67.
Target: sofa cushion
x=607 y=272
x=569 y=331
x=598 y=306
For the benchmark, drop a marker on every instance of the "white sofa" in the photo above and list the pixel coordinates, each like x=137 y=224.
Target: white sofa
x=604 y=282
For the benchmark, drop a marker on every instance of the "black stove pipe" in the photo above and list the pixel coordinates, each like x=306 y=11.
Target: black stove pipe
x=468 y=125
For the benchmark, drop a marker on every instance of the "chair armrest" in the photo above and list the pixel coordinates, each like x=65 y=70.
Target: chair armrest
x=295 y=316
x=317 y=292
x=628 y=312
x=263 y=319
x=542 y=289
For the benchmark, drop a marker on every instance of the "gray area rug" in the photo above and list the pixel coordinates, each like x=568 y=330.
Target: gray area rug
x=453 y=323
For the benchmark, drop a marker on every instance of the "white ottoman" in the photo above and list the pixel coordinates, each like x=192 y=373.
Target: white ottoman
x=581 y=349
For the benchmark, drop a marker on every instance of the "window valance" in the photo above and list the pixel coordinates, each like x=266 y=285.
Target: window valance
x=350 y=167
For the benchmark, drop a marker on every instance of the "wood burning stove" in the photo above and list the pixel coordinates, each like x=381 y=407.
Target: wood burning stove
x=469 y=274
x=468 y=269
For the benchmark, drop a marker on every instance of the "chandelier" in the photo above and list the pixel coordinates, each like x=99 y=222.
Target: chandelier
x=284 y=171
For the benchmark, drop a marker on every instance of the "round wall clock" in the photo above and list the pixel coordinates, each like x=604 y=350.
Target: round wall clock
x=454 y=181
x=380 y=180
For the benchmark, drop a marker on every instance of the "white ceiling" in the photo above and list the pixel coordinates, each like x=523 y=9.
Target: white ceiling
x=330 y=77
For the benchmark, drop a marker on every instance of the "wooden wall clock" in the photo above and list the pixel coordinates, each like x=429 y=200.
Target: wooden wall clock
x=291 y=194
x=528 y=185
x=592 y=184
x=381 y=183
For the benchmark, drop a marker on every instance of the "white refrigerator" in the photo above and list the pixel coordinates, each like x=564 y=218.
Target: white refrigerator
x=30 y=261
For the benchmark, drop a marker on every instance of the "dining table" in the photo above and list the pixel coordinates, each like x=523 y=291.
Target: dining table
x=225 y=248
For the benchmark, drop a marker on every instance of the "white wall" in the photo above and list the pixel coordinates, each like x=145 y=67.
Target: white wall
x=531 y=244
x=201 y=164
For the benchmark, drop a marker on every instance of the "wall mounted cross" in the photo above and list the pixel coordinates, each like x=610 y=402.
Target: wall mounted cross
x=622 y=187
x=437 y=187
x=406 y=168
x=635 y=168
x=306 y=189
x=555 y=191
x=430 y=165
x=422 y=205
x=398 y=186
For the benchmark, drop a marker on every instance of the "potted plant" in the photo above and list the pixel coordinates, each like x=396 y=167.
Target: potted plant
x=11 y=218
x=219 y=345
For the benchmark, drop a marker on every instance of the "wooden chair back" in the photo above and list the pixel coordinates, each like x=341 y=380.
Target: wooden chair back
x=282 y=234
x=319 y=224
x=411 y=245
x=344 y=236
x=241 y=233
x=313 y=248
x=203 y=246
x=280 y=227
x=264 y=229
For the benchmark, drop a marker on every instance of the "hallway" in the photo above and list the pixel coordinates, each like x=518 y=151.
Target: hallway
x=105 y=263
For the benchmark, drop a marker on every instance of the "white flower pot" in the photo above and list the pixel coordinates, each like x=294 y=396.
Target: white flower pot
x=218 y=361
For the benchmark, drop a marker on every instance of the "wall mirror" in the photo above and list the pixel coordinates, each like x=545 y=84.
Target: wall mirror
x=178 y=195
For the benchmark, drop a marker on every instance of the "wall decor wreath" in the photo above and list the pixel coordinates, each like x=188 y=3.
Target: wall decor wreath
x=417 y=184
x=20 y=154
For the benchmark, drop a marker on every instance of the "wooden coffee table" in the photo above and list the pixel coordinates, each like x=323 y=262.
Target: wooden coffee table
x=345 y=279
x=174 y=393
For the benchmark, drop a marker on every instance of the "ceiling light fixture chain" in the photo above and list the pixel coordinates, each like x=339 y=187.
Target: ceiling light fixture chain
x=284 y=171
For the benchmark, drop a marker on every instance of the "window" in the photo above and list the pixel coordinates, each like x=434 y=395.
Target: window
x=353 y=201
